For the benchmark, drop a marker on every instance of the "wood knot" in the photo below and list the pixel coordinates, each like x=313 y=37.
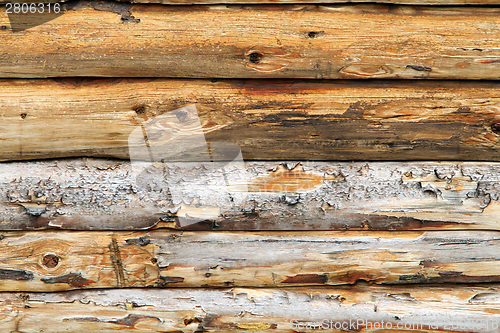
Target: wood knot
x=495 y=128
x=140 y=109
x=255 y=57
x=314 y=34
x=50 y=260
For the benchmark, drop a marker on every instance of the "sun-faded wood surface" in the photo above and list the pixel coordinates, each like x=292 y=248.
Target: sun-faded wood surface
x=314 y=42
x=91 y=194
x=59 y=260
x=268 y=120
x=358 y=308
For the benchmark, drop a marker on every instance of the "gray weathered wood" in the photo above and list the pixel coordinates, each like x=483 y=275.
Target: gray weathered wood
x=87 y=194
x=422 y=309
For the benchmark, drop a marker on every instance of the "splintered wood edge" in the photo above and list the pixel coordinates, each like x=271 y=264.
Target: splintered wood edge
x=360 y=308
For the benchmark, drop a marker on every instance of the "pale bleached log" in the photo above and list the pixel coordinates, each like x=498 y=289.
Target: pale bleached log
x=313 y=42
x=93 y=194
x=57 y=261
x=268 y=120
x=359 y=308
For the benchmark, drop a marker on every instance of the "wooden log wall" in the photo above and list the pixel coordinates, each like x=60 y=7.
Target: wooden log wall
x=250 y=166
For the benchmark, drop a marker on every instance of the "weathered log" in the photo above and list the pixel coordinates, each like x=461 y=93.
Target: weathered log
x=56 y=261
x=92 y=194
x=268 y=120
x=314 y=42
x=282 y=2
x=358 y=308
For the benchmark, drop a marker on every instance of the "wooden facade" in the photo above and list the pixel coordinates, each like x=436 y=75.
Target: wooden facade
x=250 y=166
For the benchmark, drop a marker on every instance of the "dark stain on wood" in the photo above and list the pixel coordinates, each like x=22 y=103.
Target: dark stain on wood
x=355 y=111
x=84 y=319
x=117 y=261
x=307 y=278
x=420 y=68
x=446 y=277
x=130 y=320
x=170 y=279
x=141 y=241
x=15 y=274
x=122 y=9
x=73 y=279
x=255 y=219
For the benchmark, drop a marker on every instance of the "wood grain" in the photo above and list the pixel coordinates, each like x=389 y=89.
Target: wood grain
x=423 y=309
x=97 y=194
x=57 y=260
x=225 y=2
x=268 y=120
x=303 y=41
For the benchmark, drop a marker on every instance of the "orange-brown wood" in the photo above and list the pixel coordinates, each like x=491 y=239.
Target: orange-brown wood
x=308 y=41
x=267 y=120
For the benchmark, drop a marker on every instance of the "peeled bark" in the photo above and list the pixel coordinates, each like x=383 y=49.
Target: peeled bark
x=358 y=308
x=97 y=194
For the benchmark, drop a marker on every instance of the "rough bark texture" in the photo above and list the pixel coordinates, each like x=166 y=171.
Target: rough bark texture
x=423 y=309
x=56 y=261
x=315 y=42
x=268 y=120
x=92 y=194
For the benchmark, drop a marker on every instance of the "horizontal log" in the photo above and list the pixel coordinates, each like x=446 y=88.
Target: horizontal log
x=268 y=120
x=226 y=2
x=359 y=308
x=303 y=41
x=92 y=194
x=57 y=260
